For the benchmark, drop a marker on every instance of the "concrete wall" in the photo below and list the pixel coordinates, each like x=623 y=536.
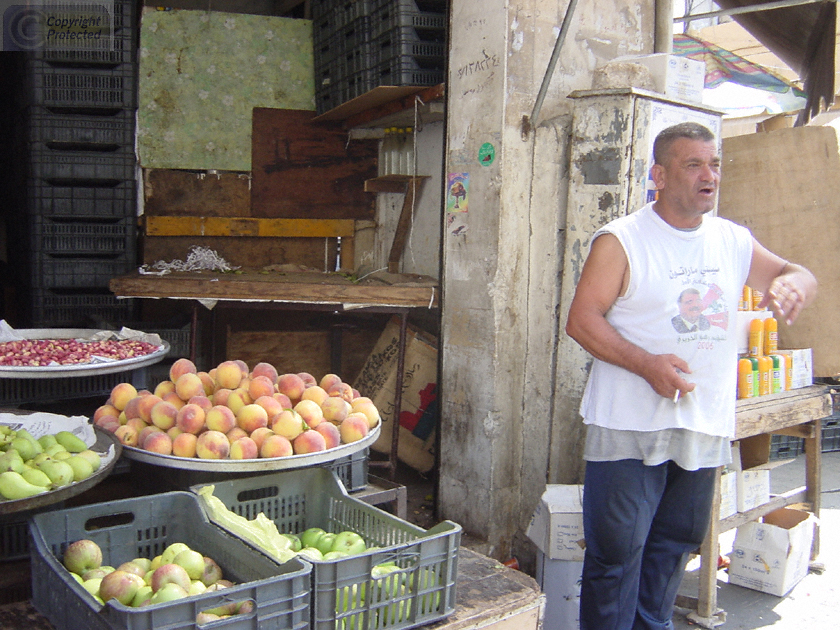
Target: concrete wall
x=508 y=425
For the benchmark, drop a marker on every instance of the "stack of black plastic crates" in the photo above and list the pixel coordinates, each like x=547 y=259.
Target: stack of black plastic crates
x=362 y=44
x=75 y=222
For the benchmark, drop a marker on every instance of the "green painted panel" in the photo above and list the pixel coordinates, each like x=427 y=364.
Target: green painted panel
x=202 y=73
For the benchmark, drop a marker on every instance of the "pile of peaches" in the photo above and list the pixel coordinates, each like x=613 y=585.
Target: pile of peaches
x=233 y=412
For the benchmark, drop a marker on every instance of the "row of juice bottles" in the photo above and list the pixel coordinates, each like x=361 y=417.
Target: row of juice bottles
x=396 y=154
x=764 y=370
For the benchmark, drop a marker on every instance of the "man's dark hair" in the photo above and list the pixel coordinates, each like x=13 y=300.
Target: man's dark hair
x=667 y=137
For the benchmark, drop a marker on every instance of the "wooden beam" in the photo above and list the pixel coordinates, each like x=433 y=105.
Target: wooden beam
x=428 y=95
x=404 y=223
x=248 y=226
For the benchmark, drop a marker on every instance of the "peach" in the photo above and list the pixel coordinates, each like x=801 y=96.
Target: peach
x=260 y=386
x=244 y=448
x=179 y=367
x=207 y=381
x=173 y=399
x=328 y=381
x=238 y=398
x=144 y=407
x=220 y=418
x=356 y=393
x=189 y=385
x=291 y=385
x=276 y=446
x=243 y=367
x=190 y=418
x=285 y=401
x=288 y=423
x=121 y=394
x=164 y=387
x=335 y=409
x=271 y=405
x=353 y=428
x=158 y=442
x=108 y=423
x=202 y=401
x=252 y=417
x=311 y=413
x=174 y=432
x=212 y=445
x=316 y=393
x=105 y=410
x=145 y=432
x=342 y=390
x=332 y=437
x=235 y=433
x=184 y=445
x=164 y=415
x=310 y=441
x=260 y=434
x=228 y=375
x=127 y=435
x=220 y=396
x=265 y=369
x=366 y=407
x=132 y=407
x=308 y=379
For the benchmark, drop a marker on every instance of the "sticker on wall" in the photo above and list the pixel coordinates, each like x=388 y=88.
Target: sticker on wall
x=486 y=154
x=457 y=195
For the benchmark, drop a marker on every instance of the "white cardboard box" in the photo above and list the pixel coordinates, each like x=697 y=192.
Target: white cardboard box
x=773 y=556
x=556 y=526
x=728 y=493
x=560 y=581
x=674 y=76
x=803 y=367
x=753 y=487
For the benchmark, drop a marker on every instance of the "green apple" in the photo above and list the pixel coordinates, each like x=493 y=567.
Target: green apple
x=297 y=545
x=349 y=542
x=311 y=536
x=168 y=592
x=336 y=555
x=171 y=551
x=142 y=597
x=311 y=553
x=82 y=555
x=325 y=542
x=192 y=561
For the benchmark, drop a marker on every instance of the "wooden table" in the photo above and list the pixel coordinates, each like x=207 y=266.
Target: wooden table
x=288 y=287
x=797 y=413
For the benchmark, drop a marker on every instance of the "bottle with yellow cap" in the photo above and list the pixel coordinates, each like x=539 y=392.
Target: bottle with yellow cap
x=755 y=345
x=771 y=336
x=746 y=299
x=757 y=296
x=745 y=378
x=777 y=381
x=765 y=375
x=755 y=378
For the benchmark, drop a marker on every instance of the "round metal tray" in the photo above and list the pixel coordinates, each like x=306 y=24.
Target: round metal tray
x=83 y=369
x=104 y=440
x=251 y=465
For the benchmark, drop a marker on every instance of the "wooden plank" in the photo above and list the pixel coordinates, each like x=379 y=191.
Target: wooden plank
x=404 y=224
x=246 y=226
x=174 y=192
x=380 y=102
x=307 y=171
x=778 y=411
x=386 y=290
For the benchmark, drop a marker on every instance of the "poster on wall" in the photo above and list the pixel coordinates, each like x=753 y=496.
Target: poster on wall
x=664 y=115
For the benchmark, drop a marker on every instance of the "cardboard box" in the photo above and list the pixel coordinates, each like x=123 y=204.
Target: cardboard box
x=556 y=526
x=772 y=556
x=803 y=367
x=753 y=487
x=728 y=493
x=560 y=581
x=676 y=77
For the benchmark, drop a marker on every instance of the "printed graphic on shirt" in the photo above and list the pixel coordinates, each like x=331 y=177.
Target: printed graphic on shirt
x=702 y=314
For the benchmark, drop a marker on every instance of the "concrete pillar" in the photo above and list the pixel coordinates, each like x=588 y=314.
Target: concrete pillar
x=507 y=425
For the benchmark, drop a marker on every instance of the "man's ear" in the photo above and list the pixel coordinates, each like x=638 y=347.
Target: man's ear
x=657 y=174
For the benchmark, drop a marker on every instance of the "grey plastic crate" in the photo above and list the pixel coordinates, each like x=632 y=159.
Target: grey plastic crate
x=75 y=272
x=60 y=86
x=75 y=238
x=51 y=309
x=387 y=16
x=786 y=447
x=144 y=527
x=830 y=435
x=111 y=200
x=107 y=50
x=82 y=167
x=95 y=133
x=19 y=391
x=421 y=592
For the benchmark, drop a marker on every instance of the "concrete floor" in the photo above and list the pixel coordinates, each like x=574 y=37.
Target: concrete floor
x=814 y=603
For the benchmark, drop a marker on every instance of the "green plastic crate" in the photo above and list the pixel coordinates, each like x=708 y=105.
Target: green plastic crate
x=345 y=596
x=144 y=527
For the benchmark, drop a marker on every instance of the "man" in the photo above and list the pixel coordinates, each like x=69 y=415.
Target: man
x=690 y=317
x=660 y=405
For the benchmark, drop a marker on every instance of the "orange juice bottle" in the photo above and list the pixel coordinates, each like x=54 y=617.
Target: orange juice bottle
x=765 y=375
x=745 y=378
x=755 y=346
x=746 y=299
x=771 y=336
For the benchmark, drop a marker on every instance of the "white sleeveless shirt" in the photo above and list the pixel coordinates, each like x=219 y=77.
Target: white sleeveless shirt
x=707 y=268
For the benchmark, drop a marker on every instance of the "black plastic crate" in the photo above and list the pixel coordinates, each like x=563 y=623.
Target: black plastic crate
x=67 y=131
x=396 y=14
x=327 y=98
x=75 y=238
x=399 y=43
x=830 y=435
x=408 y=71
x=356 y=85
x=352 y=36
x=106 y=51
x=786 y=447
x=330 y=15
x=343 y=67
x=76 y=272
x=109 y=200
x=60 y=86
x=56 y=309
x=21 y=391
x=81 y=167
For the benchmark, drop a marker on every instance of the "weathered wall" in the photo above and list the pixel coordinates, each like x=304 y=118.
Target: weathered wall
x=502 y=414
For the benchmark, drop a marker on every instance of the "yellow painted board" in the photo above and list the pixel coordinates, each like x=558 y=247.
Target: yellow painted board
x=247 y=226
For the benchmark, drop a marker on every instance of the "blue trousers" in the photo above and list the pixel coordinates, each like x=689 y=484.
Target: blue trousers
x=640 y=523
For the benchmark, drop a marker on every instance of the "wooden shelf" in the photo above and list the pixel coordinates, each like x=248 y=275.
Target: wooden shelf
x=387 y=106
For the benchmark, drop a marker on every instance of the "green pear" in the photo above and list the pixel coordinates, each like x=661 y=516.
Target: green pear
x=93 y=457
x=60 y=472
x=82 y=468
x=70 y=441
x=13 y=486
x=36 y=477
x=47 y=440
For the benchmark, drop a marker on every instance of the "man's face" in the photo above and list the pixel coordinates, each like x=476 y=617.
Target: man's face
x=688 y=181
x=690 y=307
